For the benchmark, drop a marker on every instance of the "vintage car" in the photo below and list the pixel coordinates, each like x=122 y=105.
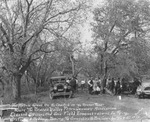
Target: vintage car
x=59 y=87
x=143 y=90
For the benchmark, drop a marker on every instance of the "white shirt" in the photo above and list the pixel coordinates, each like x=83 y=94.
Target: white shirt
x=77 y=82
x=98 y=89
x=90 y=83
x=83 y=82
x=68 y=81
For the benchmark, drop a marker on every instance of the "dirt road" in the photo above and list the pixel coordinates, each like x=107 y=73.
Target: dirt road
x=127 y=108
x=89 y=108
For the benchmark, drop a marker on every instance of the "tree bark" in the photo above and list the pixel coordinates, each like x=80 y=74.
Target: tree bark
x=16 y=86
x=3 y=88
x=105 y=69
x=104 y=80
x=73 y=65
x=27 y=81
x=101 y=65
x=35 y=89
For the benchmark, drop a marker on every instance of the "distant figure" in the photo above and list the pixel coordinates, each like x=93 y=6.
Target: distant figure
x=99 y=83
x=73 y=84
x=90 y=86
x=82 y=85
x=68 y=81
x=108 y=83
x=135 y=85
x=112 y=85
x=96 y=88
x=77 y=85
x=117 y=87
x=94 y=85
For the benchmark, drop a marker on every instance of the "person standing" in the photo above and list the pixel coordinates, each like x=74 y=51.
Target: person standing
x=77 y=84
x=96 y=86
x=117 y=88
x=90 y=86
x=99 y=83
x=112 y=85
x=73 y=84
x=68 y=81
x=82 y=85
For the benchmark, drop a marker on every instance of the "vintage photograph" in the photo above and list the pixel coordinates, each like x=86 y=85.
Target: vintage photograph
x=74 y=60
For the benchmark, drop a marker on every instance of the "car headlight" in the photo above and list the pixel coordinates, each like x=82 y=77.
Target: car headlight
x=65 y=87
x=55 y=87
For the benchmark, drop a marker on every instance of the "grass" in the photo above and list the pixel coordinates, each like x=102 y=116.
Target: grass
x=27 y=94
x=29 y=99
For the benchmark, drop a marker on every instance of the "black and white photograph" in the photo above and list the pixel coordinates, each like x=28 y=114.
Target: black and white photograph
x=74 y=60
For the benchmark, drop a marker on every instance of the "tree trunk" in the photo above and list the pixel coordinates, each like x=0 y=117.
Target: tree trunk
x=101 y=65
x=73 y=65
x=36 y=83
x=2 y=88
x=105 y=69
x=35 y=89
x=104 y=80
x=27 y=82
x=103 y=85
x=16 y=86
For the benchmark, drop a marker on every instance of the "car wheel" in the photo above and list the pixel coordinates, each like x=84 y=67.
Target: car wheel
x=51 y=95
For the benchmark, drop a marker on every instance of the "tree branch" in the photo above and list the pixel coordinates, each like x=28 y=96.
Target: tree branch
x=33 y=35
x=112 y=27
x=49 y=4
x=7 y=38
x=20 y=8
x=61 y=13
x=8 y=10
x=4 y=32
x=119 y=43
x=26 y=23
x=40 y=50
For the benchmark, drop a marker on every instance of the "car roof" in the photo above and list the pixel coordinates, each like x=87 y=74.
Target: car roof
x=58 y=77
x=145 y=84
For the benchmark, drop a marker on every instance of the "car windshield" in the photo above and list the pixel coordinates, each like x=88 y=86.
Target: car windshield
x=145 y=84
x=58 y=80
x=62 y=80
x=146 y=79
x=147 y=88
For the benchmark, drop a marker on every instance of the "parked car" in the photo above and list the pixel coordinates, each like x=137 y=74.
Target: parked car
x=59 y=87
x=143 y=90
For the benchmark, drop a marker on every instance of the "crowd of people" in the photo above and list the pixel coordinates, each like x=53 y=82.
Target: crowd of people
x=97 y=85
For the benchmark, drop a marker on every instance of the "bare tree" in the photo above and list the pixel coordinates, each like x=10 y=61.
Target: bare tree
x=27 y=30
x=119 y=23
